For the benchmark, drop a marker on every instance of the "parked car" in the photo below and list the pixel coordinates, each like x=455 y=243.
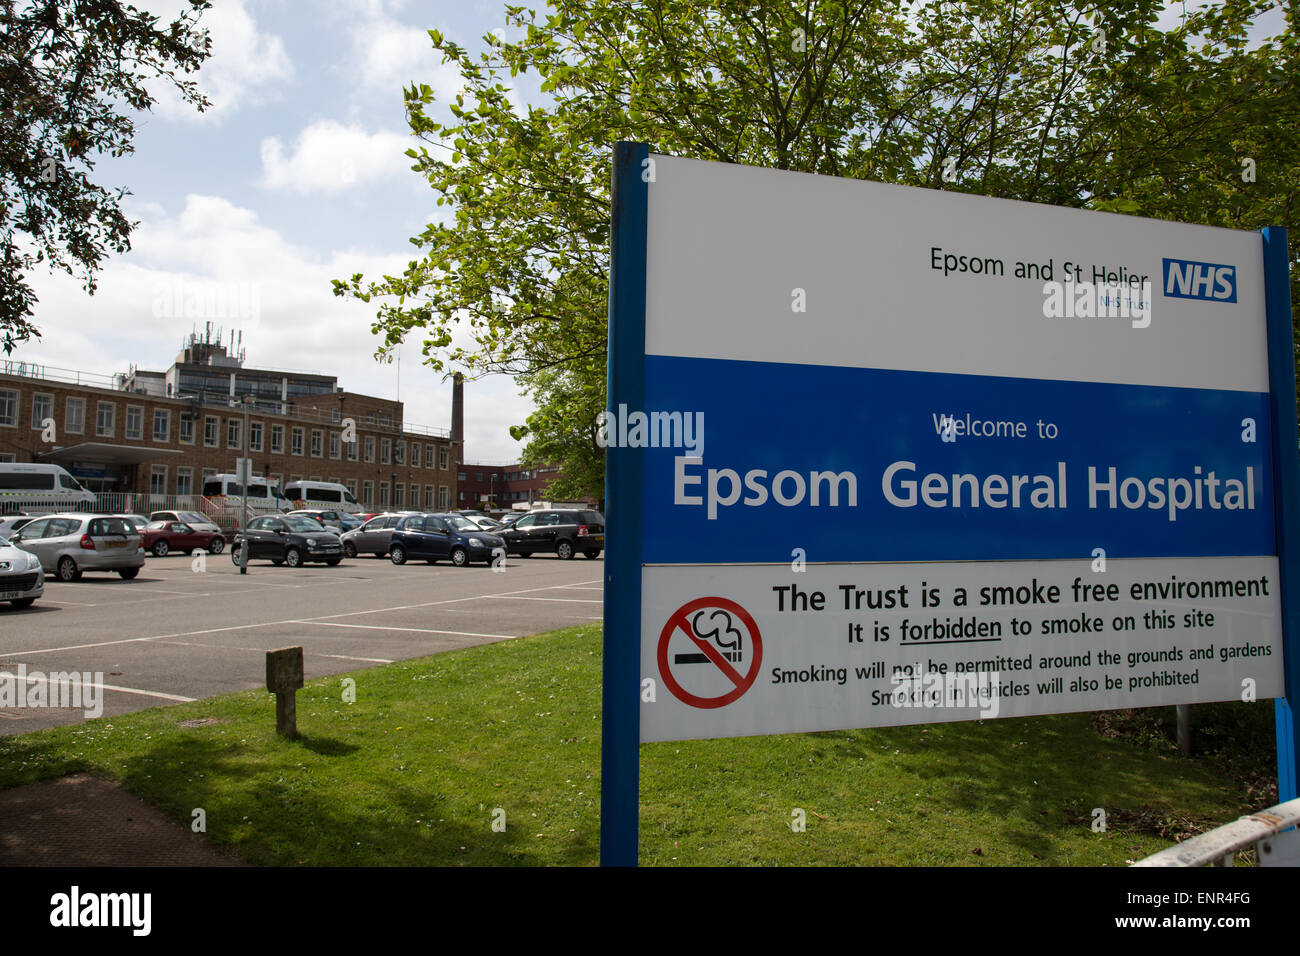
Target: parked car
x=69 y=544
x=435 y=537
x=484 y=523
x=192 y=518
x=11 y=524
x=139 y=522
x=163 y=537
x=21 y=579
x=288 y=539
x=562 y=531
x=372 y=537
x=337 y=521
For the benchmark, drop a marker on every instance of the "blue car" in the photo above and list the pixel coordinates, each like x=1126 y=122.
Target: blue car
x=443 y=537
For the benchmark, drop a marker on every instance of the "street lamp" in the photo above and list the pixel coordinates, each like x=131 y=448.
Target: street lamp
x=245 y=478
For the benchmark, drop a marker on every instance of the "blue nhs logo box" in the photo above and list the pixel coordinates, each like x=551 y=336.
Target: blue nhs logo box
x=1185 y=279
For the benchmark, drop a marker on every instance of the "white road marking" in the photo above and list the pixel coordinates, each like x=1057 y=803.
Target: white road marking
x=511 y=597
x=44 y=679
x=418 y=630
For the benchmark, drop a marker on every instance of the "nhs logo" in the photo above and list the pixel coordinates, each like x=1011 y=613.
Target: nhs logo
x=1185 y=279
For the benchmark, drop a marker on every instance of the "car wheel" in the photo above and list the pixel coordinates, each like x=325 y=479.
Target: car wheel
x=67 y=570
x=349 y=549
x=234 y=555
x=564 y=550
x=293 y=557
x=160 y=548
x=23 y=603
x=215 y=545
x=459 y=557
x=332 y=561
x=128 y=573
x=397 y=554
x=592 y=554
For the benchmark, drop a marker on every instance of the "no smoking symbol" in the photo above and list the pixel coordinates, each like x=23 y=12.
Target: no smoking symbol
x=725 y=639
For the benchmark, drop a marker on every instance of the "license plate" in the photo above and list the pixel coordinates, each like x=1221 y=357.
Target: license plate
x=7 y=595
x=115 y=544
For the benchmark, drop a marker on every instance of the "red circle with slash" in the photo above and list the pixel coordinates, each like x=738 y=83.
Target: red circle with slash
x=681 y=619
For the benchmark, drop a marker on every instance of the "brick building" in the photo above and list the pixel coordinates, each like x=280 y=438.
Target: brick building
x=504 y=486
x=160 y=433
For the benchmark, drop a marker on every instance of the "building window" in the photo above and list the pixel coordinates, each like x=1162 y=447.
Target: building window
x=383 y=495
x=336 y=415
x=460 y=476
x=134 y=427
x=233 y=436
x=399 y=453
x=295 y=441
x=162 y=424
x=352 y=451
x=277 y=439
x=8 y=407
x=210 y=426
x=351 y=485
x=442 y=457
x=370 y=448
x=8 y=456
x=105 y=415
x=254 y=436
x=399 y=495
x=368 y=494
x=444 y=497
x=462 y=496
x=370 y=418
x=428 y=497
x=385 y=451
x=428 y=456
x=42 y=408
x=317 y=443
x=334 y=445
x=415 y=454
x=158 y=480
x=184 y=481
x=186 y=429
x=74 y=416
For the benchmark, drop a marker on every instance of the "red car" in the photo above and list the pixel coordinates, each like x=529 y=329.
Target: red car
x=163 y=537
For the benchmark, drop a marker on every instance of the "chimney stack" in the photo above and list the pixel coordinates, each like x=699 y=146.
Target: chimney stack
x=458 y=417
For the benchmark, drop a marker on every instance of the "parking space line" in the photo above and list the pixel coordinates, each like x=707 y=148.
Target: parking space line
x=511 y=597
x=260 y=650
x=414 y=607
x=349 y=657
x=418 y=630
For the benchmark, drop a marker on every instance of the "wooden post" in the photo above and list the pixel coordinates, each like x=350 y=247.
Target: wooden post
x=283 y=679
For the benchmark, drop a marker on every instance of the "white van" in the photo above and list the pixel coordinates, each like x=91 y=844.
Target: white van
x=318 y=495
x=41 y=489
x=262 y=494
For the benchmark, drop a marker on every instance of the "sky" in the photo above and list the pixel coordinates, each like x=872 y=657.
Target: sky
x=295 y=176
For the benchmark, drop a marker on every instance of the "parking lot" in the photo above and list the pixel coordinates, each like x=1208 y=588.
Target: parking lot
x=178 y=633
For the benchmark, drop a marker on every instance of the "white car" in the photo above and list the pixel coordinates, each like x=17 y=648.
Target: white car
x=21 y=579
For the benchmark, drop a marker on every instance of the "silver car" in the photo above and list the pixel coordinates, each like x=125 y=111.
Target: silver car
x=372 y=537
x=12 y=523
x=21 y=579
x=68 y=544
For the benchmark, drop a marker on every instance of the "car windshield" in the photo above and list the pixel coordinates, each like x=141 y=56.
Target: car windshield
x=488 y=523
x=303 y=523
x=157 y=525
x=192 y=516
x=461 y=523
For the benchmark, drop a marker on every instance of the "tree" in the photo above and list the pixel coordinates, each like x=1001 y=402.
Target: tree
x=69 y=71
x=1038 y=100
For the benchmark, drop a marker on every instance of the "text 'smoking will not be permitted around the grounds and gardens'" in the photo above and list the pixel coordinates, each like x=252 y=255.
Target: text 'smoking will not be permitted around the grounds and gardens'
x=925 y=497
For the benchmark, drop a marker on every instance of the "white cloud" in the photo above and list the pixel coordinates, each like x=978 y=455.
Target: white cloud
x=330 y=157
x=244 y=66
x=217 y=262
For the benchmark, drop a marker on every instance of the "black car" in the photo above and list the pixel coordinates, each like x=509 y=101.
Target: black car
x=450 y=537
x=288 y=539
x=564 y=531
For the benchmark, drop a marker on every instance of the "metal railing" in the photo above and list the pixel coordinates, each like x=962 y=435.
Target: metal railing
x=1220 y=846
x=52 y=373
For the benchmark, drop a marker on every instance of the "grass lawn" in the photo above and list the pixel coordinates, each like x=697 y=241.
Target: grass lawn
x=412 y=772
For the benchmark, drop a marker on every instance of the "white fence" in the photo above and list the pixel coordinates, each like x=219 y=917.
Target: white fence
x=1219 y=847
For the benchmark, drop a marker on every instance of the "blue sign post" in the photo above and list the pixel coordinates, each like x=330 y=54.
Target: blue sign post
x=1015 y=459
